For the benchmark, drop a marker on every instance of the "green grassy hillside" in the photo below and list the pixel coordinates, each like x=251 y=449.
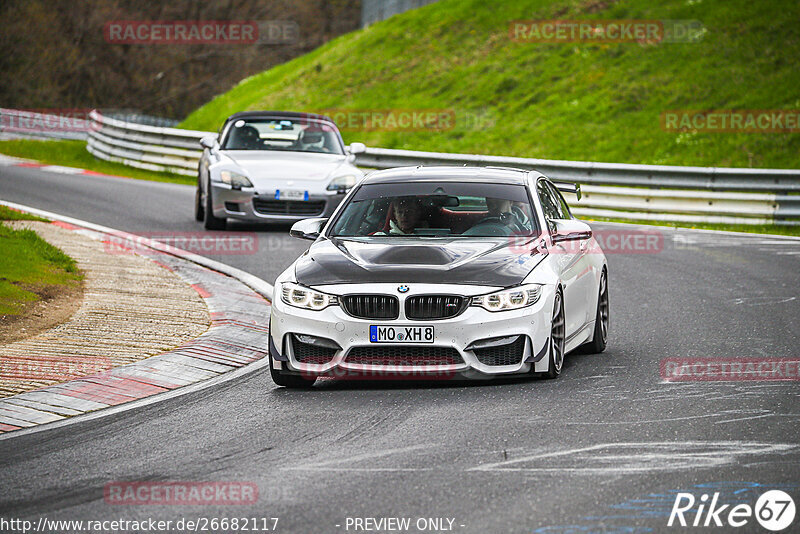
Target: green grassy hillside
x=574 y=101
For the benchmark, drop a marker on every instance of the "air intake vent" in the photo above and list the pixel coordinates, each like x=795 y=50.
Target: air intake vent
x=404 y=355
x=435 y=306
x=371 y=306
x=288 y=207
x=312 y=353
x=508 y=354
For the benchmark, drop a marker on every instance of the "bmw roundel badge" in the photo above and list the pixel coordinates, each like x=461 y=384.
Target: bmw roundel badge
x=403 y=289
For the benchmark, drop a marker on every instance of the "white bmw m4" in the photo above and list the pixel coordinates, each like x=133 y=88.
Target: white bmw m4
x=441 y=272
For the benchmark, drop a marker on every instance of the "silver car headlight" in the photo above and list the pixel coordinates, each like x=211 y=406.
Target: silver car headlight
x=306 y=298
x=509 y=299
x=234 y=179
x=342 y=183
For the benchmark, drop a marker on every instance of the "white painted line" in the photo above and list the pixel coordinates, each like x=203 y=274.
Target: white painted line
x=61 y=170
x=632 y=457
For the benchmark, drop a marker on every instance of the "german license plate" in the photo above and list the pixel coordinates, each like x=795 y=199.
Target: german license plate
x=400 y=334
x=291 y=194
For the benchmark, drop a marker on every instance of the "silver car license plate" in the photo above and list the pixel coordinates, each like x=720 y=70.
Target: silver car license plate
x=291 y=194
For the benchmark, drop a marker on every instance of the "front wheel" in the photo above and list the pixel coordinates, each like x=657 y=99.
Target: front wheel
x=557 y=339
x=199 y=212
x=598 y=343
x=289 y=381
x=211 y=222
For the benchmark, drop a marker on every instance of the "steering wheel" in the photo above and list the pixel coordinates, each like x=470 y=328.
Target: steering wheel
x=505 y=219
x=491 y=227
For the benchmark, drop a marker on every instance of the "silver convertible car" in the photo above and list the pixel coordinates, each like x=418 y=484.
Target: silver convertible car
x=441 y=272
x=273 y=166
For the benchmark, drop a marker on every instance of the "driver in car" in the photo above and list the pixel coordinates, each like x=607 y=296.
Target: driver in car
x=246 y=138
x=503 y=211
x=313 y=141
x=407 y=217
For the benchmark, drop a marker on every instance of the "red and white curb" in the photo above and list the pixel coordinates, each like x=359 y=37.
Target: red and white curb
x=10 y=161
x=235 y=344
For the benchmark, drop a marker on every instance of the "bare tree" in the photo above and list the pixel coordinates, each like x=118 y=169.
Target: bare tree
x=53 y=53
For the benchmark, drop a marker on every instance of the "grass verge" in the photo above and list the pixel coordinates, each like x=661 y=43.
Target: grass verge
x=30 y=266
x=74 y=154
x=8 y=214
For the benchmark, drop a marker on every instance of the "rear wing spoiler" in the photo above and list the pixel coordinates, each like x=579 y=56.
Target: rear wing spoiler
x=569 y=187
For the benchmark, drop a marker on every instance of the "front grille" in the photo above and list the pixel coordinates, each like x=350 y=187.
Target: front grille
x=313 y=354
x=404 y=355
x=435 y=306
x=288 y=207
x=371 y=306
x=509 y=354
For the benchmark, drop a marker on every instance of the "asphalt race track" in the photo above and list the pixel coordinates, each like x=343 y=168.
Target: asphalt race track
x=603 y=448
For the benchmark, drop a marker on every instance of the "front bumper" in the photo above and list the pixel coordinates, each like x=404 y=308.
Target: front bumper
x=458 y=333
x=243 y=204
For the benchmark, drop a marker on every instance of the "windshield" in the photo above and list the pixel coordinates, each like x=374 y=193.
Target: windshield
x=294 y=135
x=432 y=209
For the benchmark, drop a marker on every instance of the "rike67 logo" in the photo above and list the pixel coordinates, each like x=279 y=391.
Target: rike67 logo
x=774 y=510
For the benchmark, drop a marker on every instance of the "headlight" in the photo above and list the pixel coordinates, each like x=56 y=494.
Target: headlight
x=308 y=299
x=509 y=299
x=342 y=182
x=234 y=179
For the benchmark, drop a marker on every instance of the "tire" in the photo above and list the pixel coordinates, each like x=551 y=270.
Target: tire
x=555 y=353
x=600 y=339
x=289 y=381
x=210 y=222
x=199 y=210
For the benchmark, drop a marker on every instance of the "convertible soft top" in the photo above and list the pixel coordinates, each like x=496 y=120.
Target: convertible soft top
x=278 y=115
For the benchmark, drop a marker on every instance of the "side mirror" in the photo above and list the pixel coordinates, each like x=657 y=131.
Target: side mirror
x=570 y=230
x=357 y=148
x=308 y=228
x=209 y=142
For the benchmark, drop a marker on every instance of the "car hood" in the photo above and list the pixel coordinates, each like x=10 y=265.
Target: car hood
x=266 y=167
x=478 y=261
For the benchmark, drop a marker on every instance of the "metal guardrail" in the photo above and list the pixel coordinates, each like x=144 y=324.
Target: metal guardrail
x=377 y=10
x=140 y=118
x=27 y=124
x=65 y=123
x=706 y=178
x=614 y=190
x=153 y=148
